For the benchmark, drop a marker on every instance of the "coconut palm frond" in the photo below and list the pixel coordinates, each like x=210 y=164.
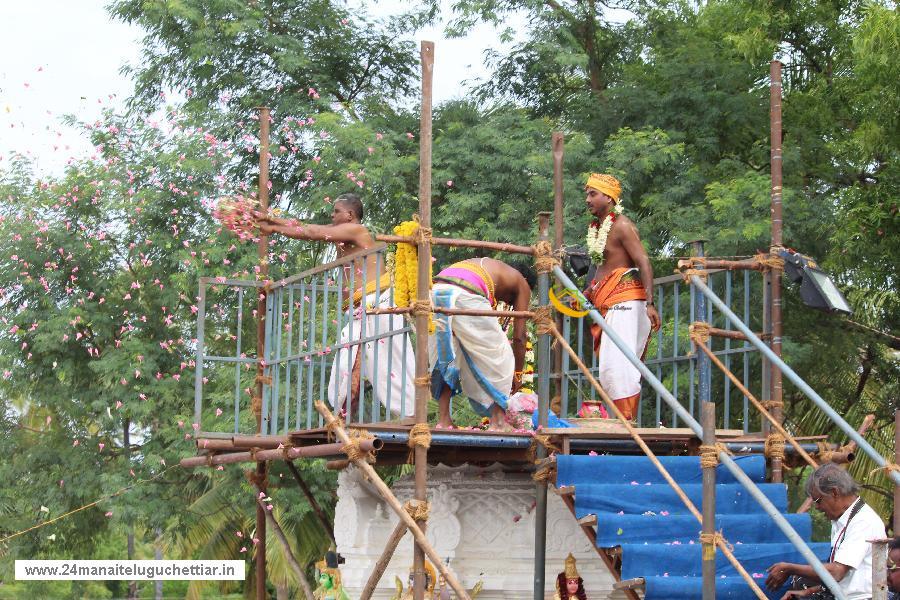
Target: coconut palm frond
x=308 y=543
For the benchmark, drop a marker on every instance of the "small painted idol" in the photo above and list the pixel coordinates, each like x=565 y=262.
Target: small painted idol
x=569 y=584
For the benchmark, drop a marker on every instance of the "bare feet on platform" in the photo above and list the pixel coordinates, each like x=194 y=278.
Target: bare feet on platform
x=445 y=424
x=498 y=420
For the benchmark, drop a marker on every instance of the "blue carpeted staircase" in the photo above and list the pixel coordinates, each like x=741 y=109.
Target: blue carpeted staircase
x=637 y=510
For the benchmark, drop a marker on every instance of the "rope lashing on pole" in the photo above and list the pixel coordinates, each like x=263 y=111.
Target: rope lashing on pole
x=699 y=332
x=544 y=473
x=352 y=448
x=419 y=435
x=422 y=235
x=332 y=426
x=772 y=260
x=686 y=274
x=541 y=440
x=544 y=257
x=825 y=453
x=543 y=320
x=419 y=511
x=774 y=446
x=421 y=307
x=716 y=539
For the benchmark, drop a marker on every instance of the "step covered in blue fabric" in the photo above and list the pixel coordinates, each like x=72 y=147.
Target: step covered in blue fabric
x=637 y=499
x=639 y=469
x=678 y=574
x=690 y=588
x=614 y=529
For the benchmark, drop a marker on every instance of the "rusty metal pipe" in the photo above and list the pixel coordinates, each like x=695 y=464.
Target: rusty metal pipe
x=318 y=451
x=260 y=441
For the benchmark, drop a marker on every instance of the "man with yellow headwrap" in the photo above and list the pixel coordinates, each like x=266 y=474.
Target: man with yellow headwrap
x=622 y=290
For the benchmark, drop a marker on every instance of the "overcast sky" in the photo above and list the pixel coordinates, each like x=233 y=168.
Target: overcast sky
x=63 y=57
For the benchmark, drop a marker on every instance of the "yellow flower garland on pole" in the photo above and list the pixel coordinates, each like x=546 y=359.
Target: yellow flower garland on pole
x=406 y=270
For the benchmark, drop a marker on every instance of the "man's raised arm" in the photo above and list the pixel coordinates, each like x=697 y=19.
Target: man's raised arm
x=353 y=233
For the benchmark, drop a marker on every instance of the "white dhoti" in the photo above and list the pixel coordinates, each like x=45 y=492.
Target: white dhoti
x=382 y=361
x=469 y=354
x=617 y=375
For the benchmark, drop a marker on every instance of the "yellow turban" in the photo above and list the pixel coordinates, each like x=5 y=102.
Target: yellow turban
x=607 y=184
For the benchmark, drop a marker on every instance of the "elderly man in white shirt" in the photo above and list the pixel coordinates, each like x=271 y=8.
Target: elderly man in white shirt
x=853 y=524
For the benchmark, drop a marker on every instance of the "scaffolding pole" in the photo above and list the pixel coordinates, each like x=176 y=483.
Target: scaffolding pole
x=423 y=390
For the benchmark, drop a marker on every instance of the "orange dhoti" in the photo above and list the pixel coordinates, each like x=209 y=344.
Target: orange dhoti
x=622 y=301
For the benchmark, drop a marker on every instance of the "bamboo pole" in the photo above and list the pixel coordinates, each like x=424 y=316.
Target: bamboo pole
x=263 y=252
x=750 y=264
x=391 y=500
x=559 y=219
x=543 y=390
x=423 y=294
x=720 y=542
x=440 y=241
x=727 y=333
x=759 y=406
x=708 y=420
x=260 y=441
x=383 y=560
x=279 y=534
x=775 y=274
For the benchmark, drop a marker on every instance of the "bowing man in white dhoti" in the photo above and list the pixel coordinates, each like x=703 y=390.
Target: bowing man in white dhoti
x=471 y=354
x=388 y=362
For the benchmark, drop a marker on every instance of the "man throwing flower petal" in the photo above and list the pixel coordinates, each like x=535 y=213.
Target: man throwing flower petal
x=622 y=290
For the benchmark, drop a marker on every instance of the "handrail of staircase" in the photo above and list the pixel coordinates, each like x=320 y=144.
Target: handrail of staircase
x=722 y=543
x=770 y=509
x=798 y=381
x=698 y=342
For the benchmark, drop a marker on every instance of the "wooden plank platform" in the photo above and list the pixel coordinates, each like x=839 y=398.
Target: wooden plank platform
x=618 y=431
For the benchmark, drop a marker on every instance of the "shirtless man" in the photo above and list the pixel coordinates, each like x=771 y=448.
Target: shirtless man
x=350 y=236
x=472 y=354
x=622 y=290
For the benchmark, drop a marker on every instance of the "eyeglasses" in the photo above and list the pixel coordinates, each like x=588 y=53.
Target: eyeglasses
x=817 y=500
x=892 y=566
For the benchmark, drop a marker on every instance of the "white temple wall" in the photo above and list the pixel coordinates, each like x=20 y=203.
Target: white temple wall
x=482 y=521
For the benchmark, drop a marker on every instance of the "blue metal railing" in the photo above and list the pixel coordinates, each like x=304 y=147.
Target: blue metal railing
x=313 y=332
x=671 y=358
